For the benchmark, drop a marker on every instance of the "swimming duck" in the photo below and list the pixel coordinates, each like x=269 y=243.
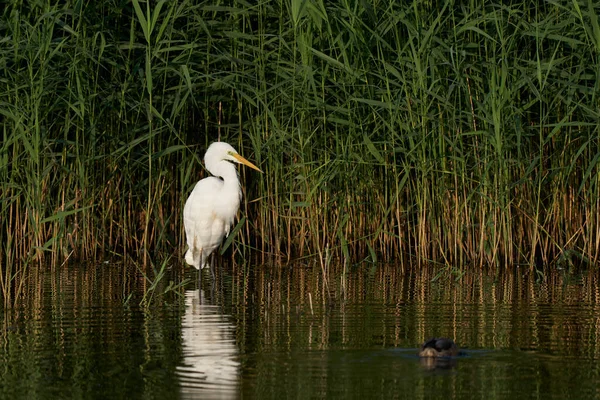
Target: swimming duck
x=438 y=347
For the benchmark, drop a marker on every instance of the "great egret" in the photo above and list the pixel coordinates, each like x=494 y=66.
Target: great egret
x=210 y=210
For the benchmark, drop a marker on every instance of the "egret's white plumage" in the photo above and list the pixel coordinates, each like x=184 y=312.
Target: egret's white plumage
x=211 y=208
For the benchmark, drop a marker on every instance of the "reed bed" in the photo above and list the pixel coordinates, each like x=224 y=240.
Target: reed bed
x=457 y=132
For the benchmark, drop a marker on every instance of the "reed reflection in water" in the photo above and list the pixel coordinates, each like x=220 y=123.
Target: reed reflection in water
x=210 y=357
x=279 y=331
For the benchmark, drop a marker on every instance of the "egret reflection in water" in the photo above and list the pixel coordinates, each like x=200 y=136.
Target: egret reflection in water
x=210 y=357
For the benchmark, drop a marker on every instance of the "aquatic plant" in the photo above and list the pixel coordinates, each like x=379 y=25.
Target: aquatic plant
x=430 y=131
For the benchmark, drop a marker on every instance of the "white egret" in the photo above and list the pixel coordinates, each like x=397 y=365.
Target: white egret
x=210 y=210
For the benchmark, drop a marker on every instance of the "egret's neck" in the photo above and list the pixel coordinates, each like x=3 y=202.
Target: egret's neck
x=227 y=172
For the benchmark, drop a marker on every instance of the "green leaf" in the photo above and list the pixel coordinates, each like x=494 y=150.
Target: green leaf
x=373 y=150
x=231 y=235
x=141 y=19
x=63 y=214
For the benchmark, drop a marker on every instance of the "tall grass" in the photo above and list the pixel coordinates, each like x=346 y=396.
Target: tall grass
x=435 y=131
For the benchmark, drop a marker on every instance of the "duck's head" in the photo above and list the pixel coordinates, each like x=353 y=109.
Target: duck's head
x=438 y=347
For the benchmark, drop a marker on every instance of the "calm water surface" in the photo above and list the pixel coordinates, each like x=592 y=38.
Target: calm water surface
x=286 y=332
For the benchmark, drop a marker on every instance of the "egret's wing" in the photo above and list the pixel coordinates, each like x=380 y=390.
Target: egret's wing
x=204 y=227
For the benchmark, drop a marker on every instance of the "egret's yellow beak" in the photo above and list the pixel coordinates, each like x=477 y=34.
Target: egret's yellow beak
x=242 y=160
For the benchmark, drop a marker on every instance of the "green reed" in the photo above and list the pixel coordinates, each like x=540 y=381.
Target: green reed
x=438 y=131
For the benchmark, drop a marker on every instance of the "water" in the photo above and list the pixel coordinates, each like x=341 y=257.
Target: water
x=286 y=332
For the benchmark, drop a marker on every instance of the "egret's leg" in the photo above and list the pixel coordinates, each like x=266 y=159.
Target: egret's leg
x=212 y=271
x=200 y=265
x=214 y=279
x=200 y=280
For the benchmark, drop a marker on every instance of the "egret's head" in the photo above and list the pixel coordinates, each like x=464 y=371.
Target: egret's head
x=221 y=151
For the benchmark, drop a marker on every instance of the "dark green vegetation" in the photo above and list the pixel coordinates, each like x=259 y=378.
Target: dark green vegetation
x=460 y=133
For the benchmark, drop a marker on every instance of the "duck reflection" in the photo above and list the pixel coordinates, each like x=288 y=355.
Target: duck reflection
x=210 y=357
